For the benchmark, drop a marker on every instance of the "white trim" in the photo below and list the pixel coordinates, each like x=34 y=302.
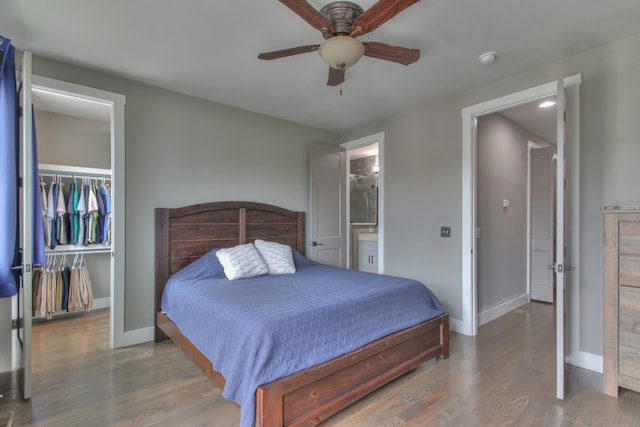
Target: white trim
x=502 y=309
x=99 y=303
x=584 y=360
x=73 y=170
x=360 y=142
x=572 y=131
x=116 y=103
x=528 y=249
x=469 y=117
x=136 y=336
x=455 y=325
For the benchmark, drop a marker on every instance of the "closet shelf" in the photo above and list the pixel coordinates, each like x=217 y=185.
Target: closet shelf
x=73 y=170
x=71 y=249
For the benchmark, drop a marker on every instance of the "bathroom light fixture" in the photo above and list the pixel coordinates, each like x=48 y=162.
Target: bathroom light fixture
x=547 y=104
x=341 y=52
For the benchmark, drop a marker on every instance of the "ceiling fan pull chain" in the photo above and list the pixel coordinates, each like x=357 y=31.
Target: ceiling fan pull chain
x=340 y=89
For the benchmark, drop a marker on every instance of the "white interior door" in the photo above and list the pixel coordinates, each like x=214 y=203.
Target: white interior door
x=542 y=223
x=22 y=309
x=328 y=222
x=560 y=265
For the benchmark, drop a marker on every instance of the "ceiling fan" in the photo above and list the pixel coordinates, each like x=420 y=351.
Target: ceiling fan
x=341 y=22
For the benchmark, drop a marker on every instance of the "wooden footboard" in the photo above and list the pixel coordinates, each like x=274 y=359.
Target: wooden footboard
x=311 y=396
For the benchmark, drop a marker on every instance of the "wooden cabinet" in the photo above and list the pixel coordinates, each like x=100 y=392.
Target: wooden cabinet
x=621 y=358
x=368 y=259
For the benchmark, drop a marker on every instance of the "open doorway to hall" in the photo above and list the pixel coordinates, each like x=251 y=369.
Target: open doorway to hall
x=515 y=207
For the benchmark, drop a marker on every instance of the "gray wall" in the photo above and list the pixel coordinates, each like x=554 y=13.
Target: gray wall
x=72 y=141
x=431 y=136
x=181 y=150
x=502 y=246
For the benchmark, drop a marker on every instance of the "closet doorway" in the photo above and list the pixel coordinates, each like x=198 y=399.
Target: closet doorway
x=80 y=138
x=365 y=203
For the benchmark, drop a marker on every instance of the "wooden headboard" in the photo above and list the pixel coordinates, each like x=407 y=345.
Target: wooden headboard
x=185 y=234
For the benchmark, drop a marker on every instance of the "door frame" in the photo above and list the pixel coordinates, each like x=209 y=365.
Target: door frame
x=350 y=145
x=469 y=324
x=118 y=336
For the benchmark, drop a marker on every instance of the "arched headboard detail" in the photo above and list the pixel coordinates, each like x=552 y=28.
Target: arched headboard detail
x=184 y=234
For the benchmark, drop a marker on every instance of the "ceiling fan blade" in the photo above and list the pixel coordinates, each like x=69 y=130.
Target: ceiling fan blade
x=288 y=52
x=401 y=55
x=307 y=12
x=378 y=14
x=336 y=76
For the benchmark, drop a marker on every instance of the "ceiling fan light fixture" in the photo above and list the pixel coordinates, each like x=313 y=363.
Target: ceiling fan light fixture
x=341 y=52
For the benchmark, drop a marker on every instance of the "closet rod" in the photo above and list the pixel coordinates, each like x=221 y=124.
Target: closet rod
x=62 y=175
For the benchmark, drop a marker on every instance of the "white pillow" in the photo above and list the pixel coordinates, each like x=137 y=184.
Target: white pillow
x=242 y=261
x=278 y=257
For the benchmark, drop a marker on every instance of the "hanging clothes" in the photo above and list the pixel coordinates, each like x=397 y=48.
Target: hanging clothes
x=72 y=214
x=105 y=193
x=46 y=224
x=82 y=210
x=52 y=217
x=61 y=212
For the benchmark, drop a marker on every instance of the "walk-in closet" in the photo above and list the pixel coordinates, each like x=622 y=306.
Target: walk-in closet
x=74 y=155
x=80 y=153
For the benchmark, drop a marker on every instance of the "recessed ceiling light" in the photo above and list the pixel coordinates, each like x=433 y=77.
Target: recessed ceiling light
x=547 y=104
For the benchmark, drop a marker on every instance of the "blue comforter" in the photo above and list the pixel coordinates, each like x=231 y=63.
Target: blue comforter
x=257 y=330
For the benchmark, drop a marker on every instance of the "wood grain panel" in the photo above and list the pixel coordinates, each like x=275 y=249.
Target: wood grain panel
x=271 y=229
x=629 y=301
x=629 y=331
x=610 y=306
x=203 y=231
x=255 y=216
x=629 y=363
x=629 y=270
x=212 y=216
x=341 y=382
x=188 y=248
x=630 y=233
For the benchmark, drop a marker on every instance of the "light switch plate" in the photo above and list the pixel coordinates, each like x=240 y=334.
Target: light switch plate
x=445 y=231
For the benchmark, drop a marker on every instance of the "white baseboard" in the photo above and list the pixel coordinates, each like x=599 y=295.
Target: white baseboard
x=456 y=325
x=502 y=309
x=99 y=303
x=584 y=360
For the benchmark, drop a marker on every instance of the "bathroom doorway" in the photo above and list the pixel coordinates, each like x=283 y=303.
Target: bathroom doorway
x=365 y=203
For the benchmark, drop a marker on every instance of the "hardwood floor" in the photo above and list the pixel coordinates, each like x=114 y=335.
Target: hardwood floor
x=505 y=376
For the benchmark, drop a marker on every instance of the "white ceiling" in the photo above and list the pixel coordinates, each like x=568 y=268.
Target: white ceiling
x=209 y=48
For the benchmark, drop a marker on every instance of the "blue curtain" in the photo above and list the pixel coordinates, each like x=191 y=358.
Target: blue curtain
x=9 y=140
x=9 y=178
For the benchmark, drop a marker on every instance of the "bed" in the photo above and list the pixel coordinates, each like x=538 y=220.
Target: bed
x=311 y=395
